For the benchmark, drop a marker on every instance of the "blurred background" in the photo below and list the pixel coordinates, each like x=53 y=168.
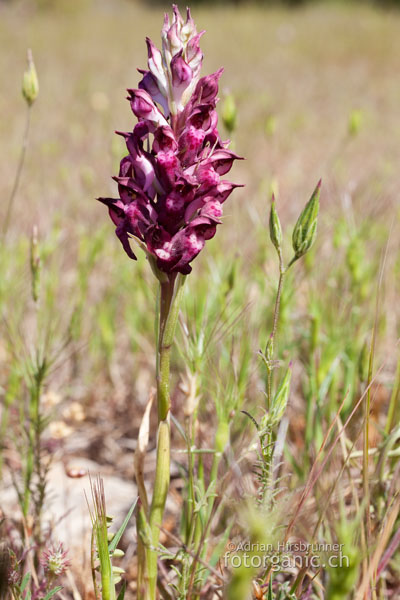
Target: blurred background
x=316 y=91
x=314 y=85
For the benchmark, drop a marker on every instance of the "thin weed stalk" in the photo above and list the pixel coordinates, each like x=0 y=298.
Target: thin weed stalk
x=30 y=90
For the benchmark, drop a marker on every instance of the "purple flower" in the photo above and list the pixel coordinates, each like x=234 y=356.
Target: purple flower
x=171 y=186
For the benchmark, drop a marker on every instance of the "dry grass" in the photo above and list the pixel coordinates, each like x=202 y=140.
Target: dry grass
x=297 y=76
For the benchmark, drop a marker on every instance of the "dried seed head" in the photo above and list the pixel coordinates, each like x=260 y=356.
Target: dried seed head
x=54 y=560
x=30 y=82
x=305 y=230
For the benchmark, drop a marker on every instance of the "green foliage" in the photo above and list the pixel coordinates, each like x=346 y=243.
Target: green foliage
x=103 y=548
x=78 y=317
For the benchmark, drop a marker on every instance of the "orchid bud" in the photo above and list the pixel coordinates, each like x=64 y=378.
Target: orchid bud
x=275 y=230
x=143 y=107
x=229 y=114
x=155 y=64
x=30 y=82
x=305 y=230
x=182 y=76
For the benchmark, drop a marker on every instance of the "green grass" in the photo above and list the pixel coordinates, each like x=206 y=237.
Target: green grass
x=317 y=96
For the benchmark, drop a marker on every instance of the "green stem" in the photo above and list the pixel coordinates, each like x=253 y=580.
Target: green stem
x=170 y=298
x=18 y=173
x=278 y=296
x=269 y=352
x=394 y=403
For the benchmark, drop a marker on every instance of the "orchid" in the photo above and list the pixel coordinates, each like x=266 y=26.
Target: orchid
x=171 y=194
x=171 y=186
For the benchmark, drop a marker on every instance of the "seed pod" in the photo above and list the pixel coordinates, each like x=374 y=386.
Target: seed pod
x=229 y=113
x=118 y=553
x=118 y=570
x=275 y=229
x=30 y=82
x=305 y=229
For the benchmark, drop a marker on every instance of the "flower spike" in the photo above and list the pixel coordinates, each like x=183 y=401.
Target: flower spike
x=171 y=191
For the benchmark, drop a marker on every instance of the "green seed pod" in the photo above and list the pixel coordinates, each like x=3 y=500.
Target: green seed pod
x=305 y=230
x=118 y=570
x=229 y=113
x=30 y=82
x=118 y=553
x=275 y=229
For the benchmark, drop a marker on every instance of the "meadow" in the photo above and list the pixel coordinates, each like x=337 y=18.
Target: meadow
x=296 y=444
